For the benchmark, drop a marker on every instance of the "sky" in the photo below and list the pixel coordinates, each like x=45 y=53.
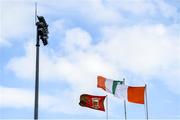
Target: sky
x=138 y=40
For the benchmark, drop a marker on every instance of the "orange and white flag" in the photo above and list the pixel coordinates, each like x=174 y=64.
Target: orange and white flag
x=118 y=89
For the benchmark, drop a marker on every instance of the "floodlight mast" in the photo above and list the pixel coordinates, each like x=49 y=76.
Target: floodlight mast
x=41 y=33
x=36 y=78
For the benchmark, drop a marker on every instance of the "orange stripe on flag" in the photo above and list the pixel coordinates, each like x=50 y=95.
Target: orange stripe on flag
x=101 y=82
x=136 y=94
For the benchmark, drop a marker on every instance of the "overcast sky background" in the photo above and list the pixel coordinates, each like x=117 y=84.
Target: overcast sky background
x=138 y=40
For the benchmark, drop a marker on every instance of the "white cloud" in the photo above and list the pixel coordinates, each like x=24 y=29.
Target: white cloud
x=79 y=68
x=63 y=102
x=144 y=7
x=12 y=97
x=97 y=11
x=142 y=50
x=137 y=7
x=147 y=51
x=22 y=98
x=93 y=11
x=17 y=19
x=109 y=11
x=24 y=66
x=57 y=28
x=77 y=39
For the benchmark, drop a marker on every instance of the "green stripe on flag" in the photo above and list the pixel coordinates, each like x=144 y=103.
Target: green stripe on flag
x=115 y=83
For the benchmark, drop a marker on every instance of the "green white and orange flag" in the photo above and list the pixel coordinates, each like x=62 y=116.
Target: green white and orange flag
x=122 y=91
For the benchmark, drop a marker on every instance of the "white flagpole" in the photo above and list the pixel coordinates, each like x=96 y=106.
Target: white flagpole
x=125 y=115
x=107 y=107
x=146 y=102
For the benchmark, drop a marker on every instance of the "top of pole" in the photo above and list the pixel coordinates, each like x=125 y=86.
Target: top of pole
x=146 y=105
x=124 y=80
x=35 y=12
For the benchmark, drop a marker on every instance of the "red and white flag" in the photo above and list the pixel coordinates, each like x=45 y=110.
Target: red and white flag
x=91 y=101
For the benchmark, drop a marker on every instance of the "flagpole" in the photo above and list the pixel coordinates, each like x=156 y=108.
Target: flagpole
x=125 y=115
x=146 y=102
x=107 y=107
x=36 y=99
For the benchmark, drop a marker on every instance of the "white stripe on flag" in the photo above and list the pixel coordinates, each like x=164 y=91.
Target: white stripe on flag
x=121 y=91
x=109 y=84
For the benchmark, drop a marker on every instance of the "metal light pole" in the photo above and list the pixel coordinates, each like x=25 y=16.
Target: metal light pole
x=36 y=79
x=42 y=33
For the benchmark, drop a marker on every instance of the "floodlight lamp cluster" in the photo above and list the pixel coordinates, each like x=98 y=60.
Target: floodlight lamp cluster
x=42 y=29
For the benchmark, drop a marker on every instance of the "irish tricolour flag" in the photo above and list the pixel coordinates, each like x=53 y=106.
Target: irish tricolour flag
x=122 y=91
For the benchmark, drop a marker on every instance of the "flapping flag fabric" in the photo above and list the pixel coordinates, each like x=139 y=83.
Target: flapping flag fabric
x=91 y=101
x=111 y=86
x=132 y=94
x=136 y=94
